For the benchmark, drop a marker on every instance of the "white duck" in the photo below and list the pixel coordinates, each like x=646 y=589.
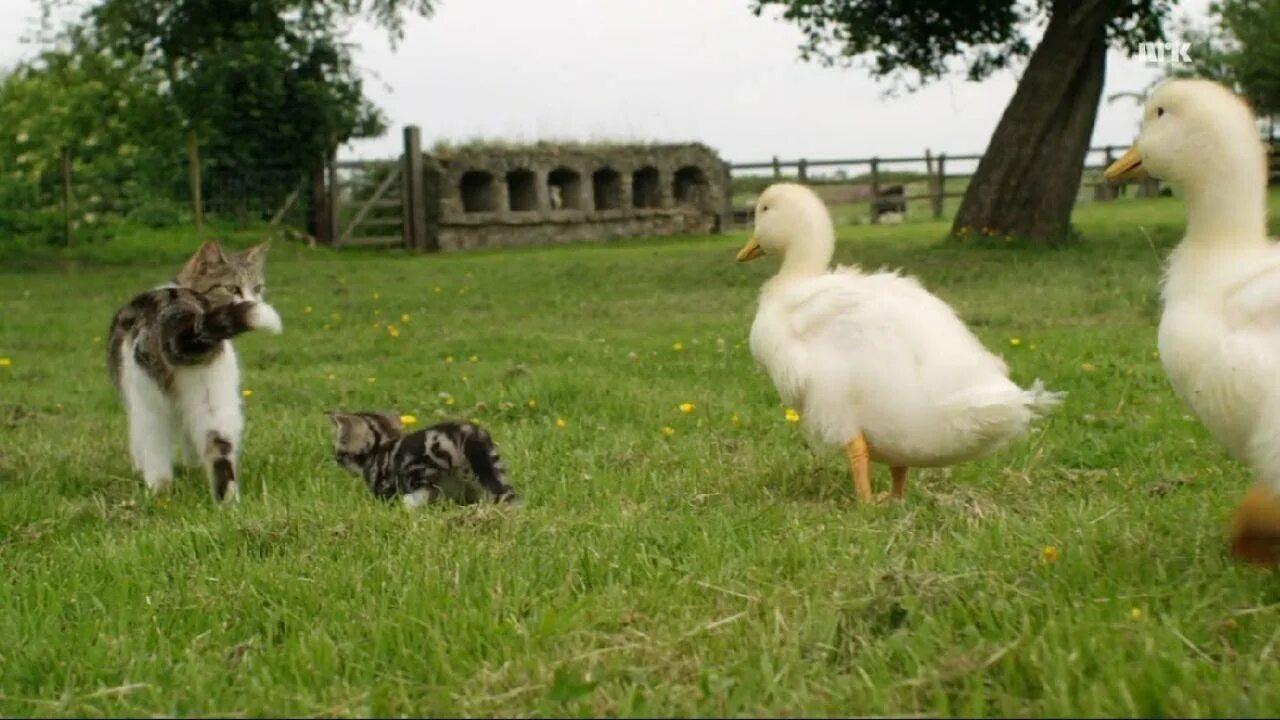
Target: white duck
x=1219 y=334
x=874 y=362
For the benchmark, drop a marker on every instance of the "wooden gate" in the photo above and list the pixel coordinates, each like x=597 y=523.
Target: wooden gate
x=367 y=201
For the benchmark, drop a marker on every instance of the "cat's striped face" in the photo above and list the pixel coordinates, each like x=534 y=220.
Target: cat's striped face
x=358 y=434
x=225 y=278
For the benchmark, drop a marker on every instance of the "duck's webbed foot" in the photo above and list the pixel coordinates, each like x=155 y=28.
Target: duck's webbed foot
x=1255 y=527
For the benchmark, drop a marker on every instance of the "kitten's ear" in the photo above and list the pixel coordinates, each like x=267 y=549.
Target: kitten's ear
x=255 y=255
x=337 y=418
x=210 y=254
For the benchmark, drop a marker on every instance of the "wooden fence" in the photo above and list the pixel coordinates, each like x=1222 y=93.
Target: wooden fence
x=883 y=198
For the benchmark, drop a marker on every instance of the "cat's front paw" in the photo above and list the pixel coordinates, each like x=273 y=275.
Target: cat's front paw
x=265 y=317
x=509 y=498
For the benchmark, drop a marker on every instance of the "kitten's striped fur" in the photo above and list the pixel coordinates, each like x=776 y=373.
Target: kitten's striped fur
x=170 y=356
x=445 y=460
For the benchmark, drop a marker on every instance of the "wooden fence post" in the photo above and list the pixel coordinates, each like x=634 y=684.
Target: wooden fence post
x=777 y=168
x=318 y=223
x=193 y=179
x=411 y=191
x=875 y=190
x=802 y=170
x=332 y=205
x=66 y=196
x=940 y=186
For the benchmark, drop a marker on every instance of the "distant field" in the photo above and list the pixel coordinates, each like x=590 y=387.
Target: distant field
x=724 y=570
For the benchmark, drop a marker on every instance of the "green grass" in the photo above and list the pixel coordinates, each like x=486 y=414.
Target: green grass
x=723 y=571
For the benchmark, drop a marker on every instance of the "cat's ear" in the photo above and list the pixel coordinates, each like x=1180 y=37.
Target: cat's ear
x=337 y=418
x=209 y=255
x=255 y=255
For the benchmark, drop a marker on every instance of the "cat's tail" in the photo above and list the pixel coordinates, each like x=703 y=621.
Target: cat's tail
x=486 y=463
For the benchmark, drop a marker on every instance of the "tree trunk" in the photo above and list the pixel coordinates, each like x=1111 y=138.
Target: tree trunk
x=1027 y=180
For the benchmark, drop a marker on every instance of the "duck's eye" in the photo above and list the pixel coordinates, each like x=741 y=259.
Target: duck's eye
x=764 y=208
x=257 y=289
x=1159 y=112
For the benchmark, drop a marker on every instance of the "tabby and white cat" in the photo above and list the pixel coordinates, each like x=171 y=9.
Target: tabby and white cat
x=171 y=359
x=445 y=460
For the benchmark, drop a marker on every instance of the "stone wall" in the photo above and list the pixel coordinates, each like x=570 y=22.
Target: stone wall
x=536 y=195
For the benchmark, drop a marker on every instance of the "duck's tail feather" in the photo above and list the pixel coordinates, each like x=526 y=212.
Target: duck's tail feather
x=1002 y=411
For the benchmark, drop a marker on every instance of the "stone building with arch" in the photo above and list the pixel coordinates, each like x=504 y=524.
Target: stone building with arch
x=502 y=196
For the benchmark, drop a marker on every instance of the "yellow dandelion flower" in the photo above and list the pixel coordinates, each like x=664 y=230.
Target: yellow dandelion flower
x=473 y=358
x=686 y=408
x=1088 y=367
x=246 y=392
x=1015 y=342
x=560 y=423
x=404 y=317
x=6 y=362
x=408 y=420
x=371 y=380
x=677 y=346
x=792 y=416
x=1049 y=555
x=437 y=290
x=393 y=331
x=533 y=404
x=734 y=419
x=376 y=295
x=1135 y=614
x=162 y=500
x=307 y=309
x=449 y=400
x=448 y=358
x=668 y=431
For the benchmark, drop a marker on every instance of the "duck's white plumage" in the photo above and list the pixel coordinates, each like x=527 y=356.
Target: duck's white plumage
x=875 y=353
x=1219 y=335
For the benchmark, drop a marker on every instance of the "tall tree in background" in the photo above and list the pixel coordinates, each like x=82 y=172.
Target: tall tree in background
x=1241 y=48
x=1027 y=180
x=259 y=83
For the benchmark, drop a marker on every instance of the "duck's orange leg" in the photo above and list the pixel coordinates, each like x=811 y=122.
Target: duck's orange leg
x=860 y=464
x=899 y=473
x=1255 y=527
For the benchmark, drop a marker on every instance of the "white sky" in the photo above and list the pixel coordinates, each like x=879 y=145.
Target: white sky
x=704 y=70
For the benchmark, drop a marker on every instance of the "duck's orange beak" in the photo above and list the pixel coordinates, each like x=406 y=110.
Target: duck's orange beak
x=1128 y=167
x=750 y=251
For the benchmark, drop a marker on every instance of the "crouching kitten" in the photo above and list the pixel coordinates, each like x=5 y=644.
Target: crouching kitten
x=450 y=459
x=171 y=359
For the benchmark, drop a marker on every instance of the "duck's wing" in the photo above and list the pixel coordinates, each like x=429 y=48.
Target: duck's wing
x=1256 y=301
x=826 y=304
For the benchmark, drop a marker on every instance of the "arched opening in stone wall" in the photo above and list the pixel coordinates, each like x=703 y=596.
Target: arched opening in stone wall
x=645 y=191
x=690 y=186
x=564 y=189
x=606 y=189
x=478 y=192
x=522 y=191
